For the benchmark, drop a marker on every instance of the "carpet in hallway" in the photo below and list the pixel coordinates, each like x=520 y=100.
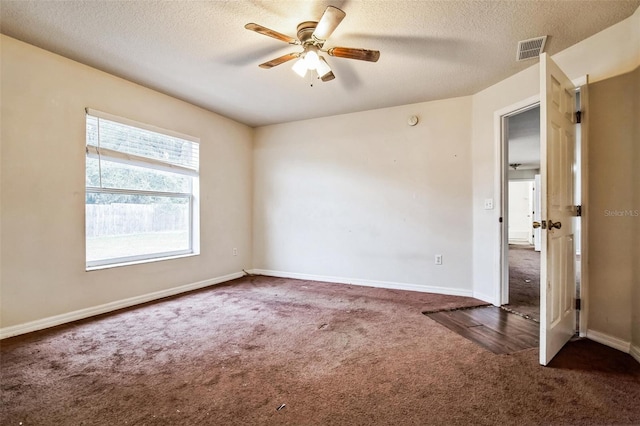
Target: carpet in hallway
x=524 y=281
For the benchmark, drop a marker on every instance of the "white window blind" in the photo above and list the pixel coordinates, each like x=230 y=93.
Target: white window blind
x=121 y=140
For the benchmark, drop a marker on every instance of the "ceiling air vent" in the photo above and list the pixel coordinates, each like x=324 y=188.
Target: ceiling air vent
x=532 y=48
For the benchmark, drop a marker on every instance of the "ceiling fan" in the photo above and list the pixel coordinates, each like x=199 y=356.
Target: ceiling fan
x=312 y=36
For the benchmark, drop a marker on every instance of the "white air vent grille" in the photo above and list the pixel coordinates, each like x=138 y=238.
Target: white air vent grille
x=532 y=48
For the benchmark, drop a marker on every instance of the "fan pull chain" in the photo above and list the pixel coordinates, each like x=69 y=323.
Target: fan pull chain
x=313 y=75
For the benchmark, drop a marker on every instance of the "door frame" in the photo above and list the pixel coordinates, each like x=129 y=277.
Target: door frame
x=583 y=86
x=501 y=291
x=501 y=189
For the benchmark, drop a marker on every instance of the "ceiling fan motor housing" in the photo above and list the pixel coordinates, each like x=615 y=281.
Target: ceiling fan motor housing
x=305 y=31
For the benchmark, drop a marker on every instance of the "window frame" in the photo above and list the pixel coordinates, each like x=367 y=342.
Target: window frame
x=192 y=197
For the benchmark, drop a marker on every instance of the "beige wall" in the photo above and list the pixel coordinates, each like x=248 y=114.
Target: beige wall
x=43 y=136
x=367 y=198
x=613 y=211
x=611 y=52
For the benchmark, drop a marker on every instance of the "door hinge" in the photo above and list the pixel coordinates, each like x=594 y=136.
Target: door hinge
x=578 y=304
x=578 y=210
x=500 y=220
x=578 y=116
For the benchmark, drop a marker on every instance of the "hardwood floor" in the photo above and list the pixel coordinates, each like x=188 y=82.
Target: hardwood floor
x=492 y=328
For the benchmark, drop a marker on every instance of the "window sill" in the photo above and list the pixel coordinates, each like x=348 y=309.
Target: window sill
x=139 y=262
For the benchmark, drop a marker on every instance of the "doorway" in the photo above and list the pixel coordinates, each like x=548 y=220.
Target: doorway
x=522 y=251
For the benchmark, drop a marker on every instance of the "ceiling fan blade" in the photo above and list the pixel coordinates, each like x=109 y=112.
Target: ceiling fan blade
x=331 y=18
x=328 y=76
x=281 y=60
x=361 y=54
x=271 y=33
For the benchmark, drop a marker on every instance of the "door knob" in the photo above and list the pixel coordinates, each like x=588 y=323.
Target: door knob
x=553 y=224
x=536 y=225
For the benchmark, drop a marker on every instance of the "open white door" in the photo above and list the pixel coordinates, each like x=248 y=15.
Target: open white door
x=557 y=266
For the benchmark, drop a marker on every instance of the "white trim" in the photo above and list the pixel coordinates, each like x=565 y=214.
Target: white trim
x=485 y=298
x=99 y=265
x=362 y=282
x=109 y=307
x=613 y=342
x=580 y=81
x=635 y=352
x=500 y=290
x=519 y=237
x=584 y=201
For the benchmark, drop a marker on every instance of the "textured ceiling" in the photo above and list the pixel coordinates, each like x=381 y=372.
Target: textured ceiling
x=200 y=52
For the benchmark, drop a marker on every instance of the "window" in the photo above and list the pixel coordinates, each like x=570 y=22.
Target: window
x=141 y=192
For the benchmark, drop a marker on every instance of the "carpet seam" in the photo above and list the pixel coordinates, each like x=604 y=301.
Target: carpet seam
x=460 y=308
x=520 y=314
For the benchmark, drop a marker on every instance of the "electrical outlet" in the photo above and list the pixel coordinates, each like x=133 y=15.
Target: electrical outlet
x=438 y=259
x=488 y=204
x=235 y=251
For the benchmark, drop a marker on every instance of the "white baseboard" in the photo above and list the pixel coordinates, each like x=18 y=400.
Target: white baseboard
x=367 y=283
x=613 y=342
x=519 y=237
x=635 y=352
x=484 y=298
x=43 y=323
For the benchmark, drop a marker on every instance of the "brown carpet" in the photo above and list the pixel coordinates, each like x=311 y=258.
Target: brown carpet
x=333 y=354
x=524 y=281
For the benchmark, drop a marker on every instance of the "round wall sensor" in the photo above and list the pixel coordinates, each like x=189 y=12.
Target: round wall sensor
x=412 y=121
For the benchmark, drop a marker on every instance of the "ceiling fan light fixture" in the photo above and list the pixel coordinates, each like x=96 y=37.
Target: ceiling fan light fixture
x=323 y=67
x=312 y=59
x=300 y=67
